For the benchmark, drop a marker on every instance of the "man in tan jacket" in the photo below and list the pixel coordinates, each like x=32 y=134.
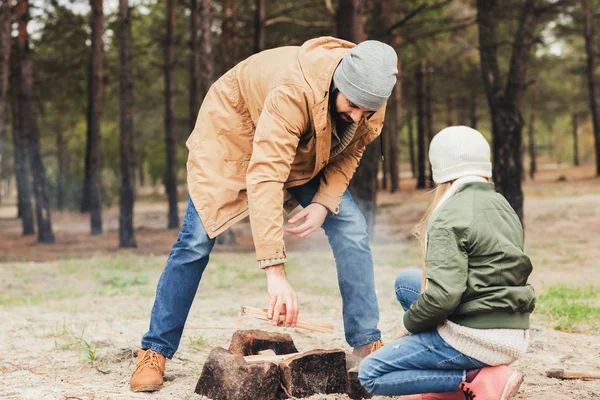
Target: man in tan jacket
x=286 y=126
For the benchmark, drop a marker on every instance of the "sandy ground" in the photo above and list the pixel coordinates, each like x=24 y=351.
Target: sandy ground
x=73 y=313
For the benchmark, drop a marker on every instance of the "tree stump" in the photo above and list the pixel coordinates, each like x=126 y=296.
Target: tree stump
x=316 y=371
x=227 y=376
x=250 y=342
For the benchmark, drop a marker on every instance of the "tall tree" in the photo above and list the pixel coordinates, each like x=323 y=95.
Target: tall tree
x=429 y=117
x=590 y=49
x=259 y=26
x=29 y=126
x=575 y=129
x=206 y=45
x=531 y=130
x=350 y=22
x=420 y=96
x=411 y=143
x=194 y=62
x=21 y=149
x=97 y=90
x=507 y=121
x=126 y=232
x=5 y=39
x=171 y=146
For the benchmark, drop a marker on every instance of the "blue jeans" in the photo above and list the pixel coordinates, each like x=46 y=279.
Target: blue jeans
x=419 y=363
x=348 y=238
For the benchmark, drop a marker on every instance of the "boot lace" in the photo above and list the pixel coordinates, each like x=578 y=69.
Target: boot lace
x=469 y=395
x=149 y=360
x=376 y=345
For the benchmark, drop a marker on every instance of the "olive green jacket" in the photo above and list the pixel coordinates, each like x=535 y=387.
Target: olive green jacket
x=475 y=265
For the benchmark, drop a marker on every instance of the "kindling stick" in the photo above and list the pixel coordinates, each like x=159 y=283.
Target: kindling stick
x=562 y=374
x=261 y=313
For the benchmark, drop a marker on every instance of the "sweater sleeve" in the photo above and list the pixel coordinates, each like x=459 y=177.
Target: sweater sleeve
x=446 y=272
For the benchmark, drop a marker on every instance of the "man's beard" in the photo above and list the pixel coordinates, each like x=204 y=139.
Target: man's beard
x=341 y=119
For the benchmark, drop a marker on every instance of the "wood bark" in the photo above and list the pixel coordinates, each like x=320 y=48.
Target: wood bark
x=97 y=93
x=504 y=102
x=395 y=136
x=590 y=49
x=29 y=127
x=5 y=39
x=195 y=84
x=21 y=150
x=259 y=27
x=127 y=195
x=421 y=179
x=429 y=119
x=61 y=163
x=171 y=146
x=575 y=129
x=411 y=143
x=531 y=134
x=206 y=45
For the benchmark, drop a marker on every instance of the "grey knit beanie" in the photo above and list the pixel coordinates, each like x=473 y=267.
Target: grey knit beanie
x=367 y=74
x=459 y=151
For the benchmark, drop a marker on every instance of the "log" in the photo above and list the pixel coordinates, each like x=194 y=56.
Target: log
x=261 y=313
x=562 y=374
x=355 y=390
x=251 y=342
x=227 y=376
x=260 y=358
x=313 y=372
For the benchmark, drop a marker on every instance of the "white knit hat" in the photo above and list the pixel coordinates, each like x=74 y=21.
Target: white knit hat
x=459 y=151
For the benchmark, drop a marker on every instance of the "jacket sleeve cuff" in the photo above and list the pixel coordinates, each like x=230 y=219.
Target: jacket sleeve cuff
x=329 y=202
x=270 y=262
x=407 y=325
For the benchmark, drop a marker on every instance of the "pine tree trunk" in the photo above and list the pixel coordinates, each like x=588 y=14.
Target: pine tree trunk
x=590 y=48
x=95 y=187
x=30 y=128
x=532 y=155
x=504 y=100
x=575 y=127
x=207 y=46
x=259 y=27
x=87 y=179
x=5 y=39
x=60 y=161
x=473 y=107
x=395 y=135
x=21 y=150
x=194 y=63
x=429 y=119
x=171 y=170
x=532 y=160
x=127 y=196
x=421 y=117
x=411 y=144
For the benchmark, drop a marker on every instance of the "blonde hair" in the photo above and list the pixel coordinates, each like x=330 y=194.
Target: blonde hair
x=420 y=230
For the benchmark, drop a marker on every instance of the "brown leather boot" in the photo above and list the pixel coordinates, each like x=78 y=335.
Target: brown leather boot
x=148 y=373
x=365 y=350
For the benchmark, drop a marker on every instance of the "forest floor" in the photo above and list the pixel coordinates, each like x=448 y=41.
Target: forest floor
x=74 y=311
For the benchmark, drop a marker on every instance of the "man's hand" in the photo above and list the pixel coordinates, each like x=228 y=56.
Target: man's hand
x=314 y=216
x=282 y=297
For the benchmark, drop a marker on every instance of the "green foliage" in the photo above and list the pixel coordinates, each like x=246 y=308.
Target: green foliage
x=571 y=307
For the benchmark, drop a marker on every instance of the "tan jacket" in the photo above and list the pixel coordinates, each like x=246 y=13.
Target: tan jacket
x=263 y=127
